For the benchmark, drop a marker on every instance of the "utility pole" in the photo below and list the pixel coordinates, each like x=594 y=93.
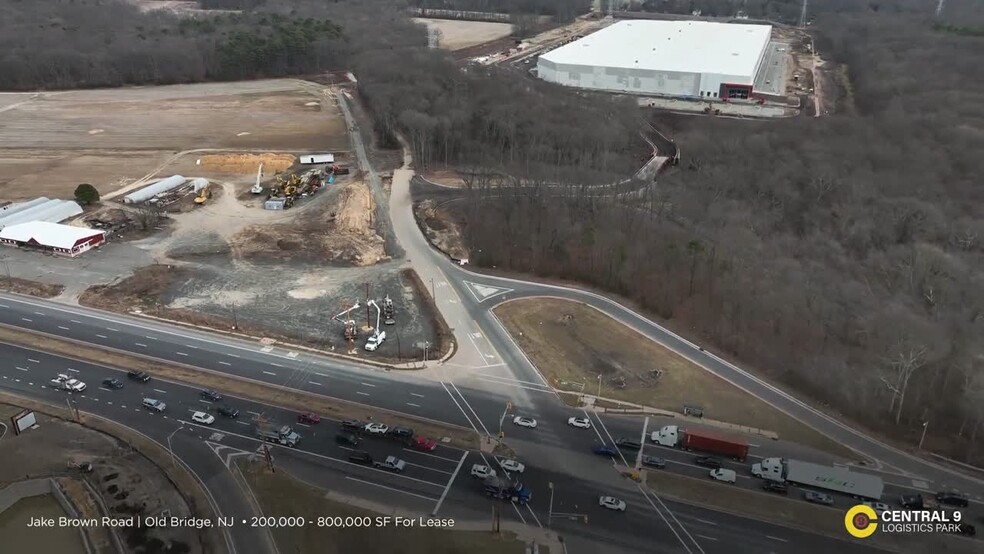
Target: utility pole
x=269 y=458
x=802 y=21
x=433 y=294
x=550 y=510
x=368 y=320
x=504 y=412
x=923 y=437
x=599 y=385
x=235 y=318
x=939 y=8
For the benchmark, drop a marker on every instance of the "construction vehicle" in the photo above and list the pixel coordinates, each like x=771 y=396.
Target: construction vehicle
x=351 y=332
x=837 y=479
x=204 y=194
x=503 y=488
x=388 y=311
x=257 y=189
x=377 y=336
x=704 y=441
x=284 y=436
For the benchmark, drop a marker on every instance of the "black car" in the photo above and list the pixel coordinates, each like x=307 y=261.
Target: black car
x=347 y=439
x=353 y=424
x=209 y=394
x=113 y=383
x=708 y=461
x=911 y=501
x=226 y=411
x=772 y=486
x=628 y=444
x=138 y=376
x=952 y=499
x=653 y=461
x=361 y=457
x=404 y=434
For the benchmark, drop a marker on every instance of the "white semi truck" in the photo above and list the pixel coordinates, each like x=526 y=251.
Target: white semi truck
x=837 y=479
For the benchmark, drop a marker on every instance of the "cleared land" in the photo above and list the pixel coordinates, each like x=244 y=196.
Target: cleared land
x=51 y=142
x=284 y=496
x=32 y=288
x=456 y=35
x=17 y=537
x=573 y=343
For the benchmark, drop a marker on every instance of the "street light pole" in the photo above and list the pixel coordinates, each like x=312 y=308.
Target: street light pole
x=169 y=449
x=550 y=510
x=599 y=385
x=923 y=437
x=501 y=419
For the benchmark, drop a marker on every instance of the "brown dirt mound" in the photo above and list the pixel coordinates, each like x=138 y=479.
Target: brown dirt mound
x=141 y=290
x=247 y=163
x=33 y=288
x=441 y=229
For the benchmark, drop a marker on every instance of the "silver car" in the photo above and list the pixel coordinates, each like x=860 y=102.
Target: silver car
x=818 y=498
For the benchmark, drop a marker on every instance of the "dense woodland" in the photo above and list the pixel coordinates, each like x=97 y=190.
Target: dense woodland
x=840 y=255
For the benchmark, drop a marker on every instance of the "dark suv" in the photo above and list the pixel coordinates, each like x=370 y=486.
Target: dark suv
x=139 y=376
x=952 y=499
x=113 y=383
x=404 y=434
x=772 y=486
x=628 y=444
x=354 y=425
x=361 y=458
x=708 y=461
x=209 y=394
x=347 y=439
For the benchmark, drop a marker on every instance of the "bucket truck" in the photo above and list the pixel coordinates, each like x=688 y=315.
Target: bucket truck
x=350 y=330
x=378 y=336
x=388 y=311
x=257 y=189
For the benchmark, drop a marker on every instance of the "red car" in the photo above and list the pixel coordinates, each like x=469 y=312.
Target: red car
x=423 y=444
x=308 y=417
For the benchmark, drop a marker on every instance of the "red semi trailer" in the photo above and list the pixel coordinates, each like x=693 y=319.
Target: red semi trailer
x=701 y=440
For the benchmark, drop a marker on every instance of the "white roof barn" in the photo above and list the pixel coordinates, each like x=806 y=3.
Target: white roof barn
x=65 y=238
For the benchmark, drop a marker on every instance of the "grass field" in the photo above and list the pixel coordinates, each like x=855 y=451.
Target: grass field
x=282 y=496
x=571 y=343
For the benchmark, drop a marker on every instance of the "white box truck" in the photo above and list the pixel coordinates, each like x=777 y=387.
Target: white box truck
x=831 y=478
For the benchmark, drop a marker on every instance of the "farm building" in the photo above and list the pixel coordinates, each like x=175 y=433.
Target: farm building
x=690 y=59
x=39 y=209
x=64 y=240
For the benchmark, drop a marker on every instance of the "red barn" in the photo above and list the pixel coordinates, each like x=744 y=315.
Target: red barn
x=64 y=240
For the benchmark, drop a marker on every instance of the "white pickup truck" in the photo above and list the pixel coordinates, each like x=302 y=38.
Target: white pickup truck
x=391 y=463
x=64 y=382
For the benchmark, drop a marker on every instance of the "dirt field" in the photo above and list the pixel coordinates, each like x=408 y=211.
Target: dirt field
x=456 y=35
x=441 y=229
x=17 y=537
x=51 y=142
x=279 y=494
x=33 y=288
x=127 y=482
x=572 y=343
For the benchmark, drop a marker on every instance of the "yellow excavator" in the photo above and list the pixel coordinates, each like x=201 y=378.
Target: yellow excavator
x=203 y=194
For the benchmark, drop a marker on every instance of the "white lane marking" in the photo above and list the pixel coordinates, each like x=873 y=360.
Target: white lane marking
x=242 y=423
x=102 y=336
x=110 y=402
x=706 y=522
x=150 y=337
x=520 y=514
x=124 y=407
x=367 y=385
x=38 y=313
x=233 y=355
x=204 y=401
x=302 y=424
x=72 y=369
x=257 y=414
x=515 y=386
x=419 y=453
x=776 y=538
x=160 y=391
x=450 y=482
x=412 y=404
x=224 y=363
x=75 y=321
x=705 y=537
x=191 y=346
x=27 y=320
x=181 y=353
x=103 y=388
x=22 y=368
x=4 y=306
x=113 y=330
x=428 y=468
x=33 y=360
x=276 y=364
x=64 y=328
x=390 y=488
x=363 y=393
x=478 y=419
x=320 y=374
x=140 y=344
x=417 y=395
x=314 y=383
x=270 y=373
x=536 y=519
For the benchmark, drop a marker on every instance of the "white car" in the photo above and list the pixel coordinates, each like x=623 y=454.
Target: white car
x=374 y=341
x=525 y=422
x=65 y=382
x=203 y=418
x=377 y=428
x=480 y=471
x=726 y=475
x=512 y=465
x=579 y=422
x=878 y=506
x=612 y=503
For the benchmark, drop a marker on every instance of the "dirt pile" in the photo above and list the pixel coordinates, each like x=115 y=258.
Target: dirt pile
x=142 y=290
x=246 y=163
x=33 y=288
x=440 y=229
x=341 y=232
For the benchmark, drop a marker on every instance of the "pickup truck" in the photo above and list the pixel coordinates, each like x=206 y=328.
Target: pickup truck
x=391 y=463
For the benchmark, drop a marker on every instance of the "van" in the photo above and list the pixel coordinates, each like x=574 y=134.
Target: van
x=154 y=404
x=726 y=475
x=347 y=439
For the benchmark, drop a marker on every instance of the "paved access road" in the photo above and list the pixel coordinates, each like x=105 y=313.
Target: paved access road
x=436 y=482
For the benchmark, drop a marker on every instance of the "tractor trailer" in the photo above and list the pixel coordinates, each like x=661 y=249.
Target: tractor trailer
x=704 y=441
x=284 y=435
x=837 y=479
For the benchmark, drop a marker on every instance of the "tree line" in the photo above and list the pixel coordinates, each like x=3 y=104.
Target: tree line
x=841 y=256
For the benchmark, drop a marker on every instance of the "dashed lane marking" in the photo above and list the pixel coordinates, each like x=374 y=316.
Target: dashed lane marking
x=75 y=321
x=113 y=330
x=140 y=344
x=315 y=383
x=38 y=313
x=270 y=373
x=160 y=391
x=64 y=328
x=706 y=522
x=72 y=369
x=150 y=337
x=27 y=320
x=412 y=404
x=191 y=346
x=417 y=395
x=776 y=538
x=705 y=537
x=224 y=363
x=276 y=364
x=181 y=353
x=102 y=336
x=233 y=355
x=22 y=368
x=367 y=385
x=33 y=360
x=363 y=393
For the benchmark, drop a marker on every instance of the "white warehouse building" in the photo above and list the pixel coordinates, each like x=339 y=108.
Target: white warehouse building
x=692 y=59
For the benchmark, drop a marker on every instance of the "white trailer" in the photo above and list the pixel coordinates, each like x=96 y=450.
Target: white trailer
x=307 y=159
x=837 y=479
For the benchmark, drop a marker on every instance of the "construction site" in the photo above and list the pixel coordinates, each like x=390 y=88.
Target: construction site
x=277 y=238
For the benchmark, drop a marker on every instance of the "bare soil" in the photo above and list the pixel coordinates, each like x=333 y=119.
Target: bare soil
x=456 y=34
x=32 y=288
x=127 y=481
x=571 y=344
x=459 y=437
x=441 y=228
x=282 y=495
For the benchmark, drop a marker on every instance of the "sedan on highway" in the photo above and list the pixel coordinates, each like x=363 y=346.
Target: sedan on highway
x=773 y=486
x=653 y=461
x=525 y=422
x=376 y=428
x=354 y=424
x=605 y=450
x=512 y=465
x=482 y=471
x=628 y=444
x=818 y=498
x=708 y=461
x=139 y=376
x=579 y=422
x=611 y=503
x=64 y=382
x=310 y=418
x=226 y=411
x=203 y=418
x=211 y=395
x=112 y=383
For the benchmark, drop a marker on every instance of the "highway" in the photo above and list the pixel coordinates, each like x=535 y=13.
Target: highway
x=208 y=449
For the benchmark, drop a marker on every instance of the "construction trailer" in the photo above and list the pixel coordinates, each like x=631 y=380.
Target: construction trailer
x=307 y=159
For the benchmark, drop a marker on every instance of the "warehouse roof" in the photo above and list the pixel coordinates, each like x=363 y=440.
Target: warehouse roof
x=54 y=235
x=683 y=46
x=39 y=209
